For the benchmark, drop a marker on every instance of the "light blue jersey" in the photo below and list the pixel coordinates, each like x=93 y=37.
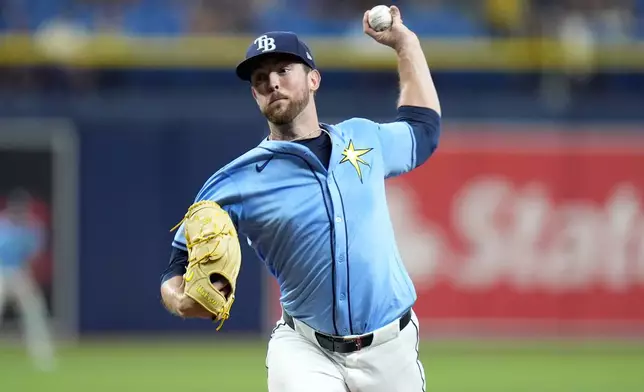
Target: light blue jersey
x=326 y=235
x=18 y=243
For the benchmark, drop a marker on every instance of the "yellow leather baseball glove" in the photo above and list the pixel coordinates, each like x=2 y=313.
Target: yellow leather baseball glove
x=214 y=253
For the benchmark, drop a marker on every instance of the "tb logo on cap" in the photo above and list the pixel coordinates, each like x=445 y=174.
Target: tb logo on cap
x=265 y=43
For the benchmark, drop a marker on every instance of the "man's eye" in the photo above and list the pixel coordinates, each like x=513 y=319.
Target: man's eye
x=284 y=69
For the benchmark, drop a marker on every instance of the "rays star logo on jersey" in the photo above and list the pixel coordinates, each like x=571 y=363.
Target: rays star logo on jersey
x=354 y=157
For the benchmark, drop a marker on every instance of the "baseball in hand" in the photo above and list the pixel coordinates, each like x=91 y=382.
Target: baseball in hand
x=380 y=18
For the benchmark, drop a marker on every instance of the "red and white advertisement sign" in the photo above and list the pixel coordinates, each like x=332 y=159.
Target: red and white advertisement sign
x=533 y=230
x=523 y=228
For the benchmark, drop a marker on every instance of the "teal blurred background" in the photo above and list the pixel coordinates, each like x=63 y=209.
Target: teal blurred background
x=524 y=234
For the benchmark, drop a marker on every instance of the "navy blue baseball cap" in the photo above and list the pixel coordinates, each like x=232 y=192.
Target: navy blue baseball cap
x=274 y=43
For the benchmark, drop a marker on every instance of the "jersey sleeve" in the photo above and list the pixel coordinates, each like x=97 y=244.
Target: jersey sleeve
x=410 y=140
x=177 y=265
x=221 y=189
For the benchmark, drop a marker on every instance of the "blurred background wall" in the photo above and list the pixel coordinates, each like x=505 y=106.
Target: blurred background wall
x=527 y=222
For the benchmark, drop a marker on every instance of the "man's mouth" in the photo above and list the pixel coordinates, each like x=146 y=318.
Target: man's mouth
x=276 y=99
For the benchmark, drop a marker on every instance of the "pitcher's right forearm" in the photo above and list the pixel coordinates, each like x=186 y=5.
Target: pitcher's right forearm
x=171 y=291
x=172 y=280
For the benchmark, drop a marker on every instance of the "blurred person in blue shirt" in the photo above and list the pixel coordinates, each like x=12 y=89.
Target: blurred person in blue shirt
x=22 y=238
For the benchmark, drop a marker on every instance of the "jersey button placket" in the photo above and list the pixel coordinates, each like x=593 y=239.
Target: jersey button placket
x=340 y=258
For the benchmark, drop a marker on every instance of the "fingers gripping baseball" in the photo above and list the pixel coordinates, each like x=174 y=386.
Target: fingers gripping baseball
x=376 y=25
x=380 y=19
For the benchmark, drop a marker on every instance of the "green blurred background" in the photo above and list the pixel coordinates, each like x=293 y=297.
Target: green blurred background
x=217 y=364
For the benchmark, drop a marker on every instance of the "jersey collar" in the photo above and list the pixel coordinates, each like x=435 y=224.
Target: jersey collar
x=337 y=138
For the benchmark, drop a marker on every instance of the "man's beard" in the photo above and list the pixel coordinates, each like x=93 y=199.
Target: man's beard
x=280 y=115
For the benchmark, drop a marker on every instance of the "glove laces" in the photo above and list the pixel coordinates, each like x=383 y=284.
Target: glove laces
x=225 y=313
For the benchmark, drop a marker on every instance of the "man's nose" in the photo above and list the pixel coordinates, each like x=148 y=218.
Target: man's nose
x=273 y=80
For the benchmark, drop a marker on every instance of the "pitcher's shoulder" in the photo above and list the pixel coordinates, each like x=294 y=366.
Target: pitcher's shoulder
x=355 y=123
x=356 y=128
x=247 y=160
x=230 y=177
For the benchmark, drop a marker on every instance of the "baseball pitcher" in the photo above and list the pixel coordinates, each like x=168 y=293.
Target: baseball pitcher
x=310 y=200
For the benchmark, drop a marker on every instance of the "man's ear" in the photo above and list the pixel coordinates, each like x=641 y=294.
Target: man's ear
x=252 y=90
x=314 y=79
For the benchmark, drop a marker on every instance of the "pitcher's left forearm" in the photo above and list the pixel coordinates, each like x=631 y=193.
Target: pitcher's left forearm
x=416 y=84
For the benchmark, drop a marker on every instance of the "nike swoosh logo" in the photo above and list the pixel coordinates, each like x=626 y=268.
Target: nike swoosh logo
x=189 y=276
x=261 y=167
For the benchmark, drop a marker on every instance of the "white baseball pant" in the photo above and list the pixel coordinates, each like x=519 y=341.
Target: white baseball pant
x=296 y=362
x=20 y=286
